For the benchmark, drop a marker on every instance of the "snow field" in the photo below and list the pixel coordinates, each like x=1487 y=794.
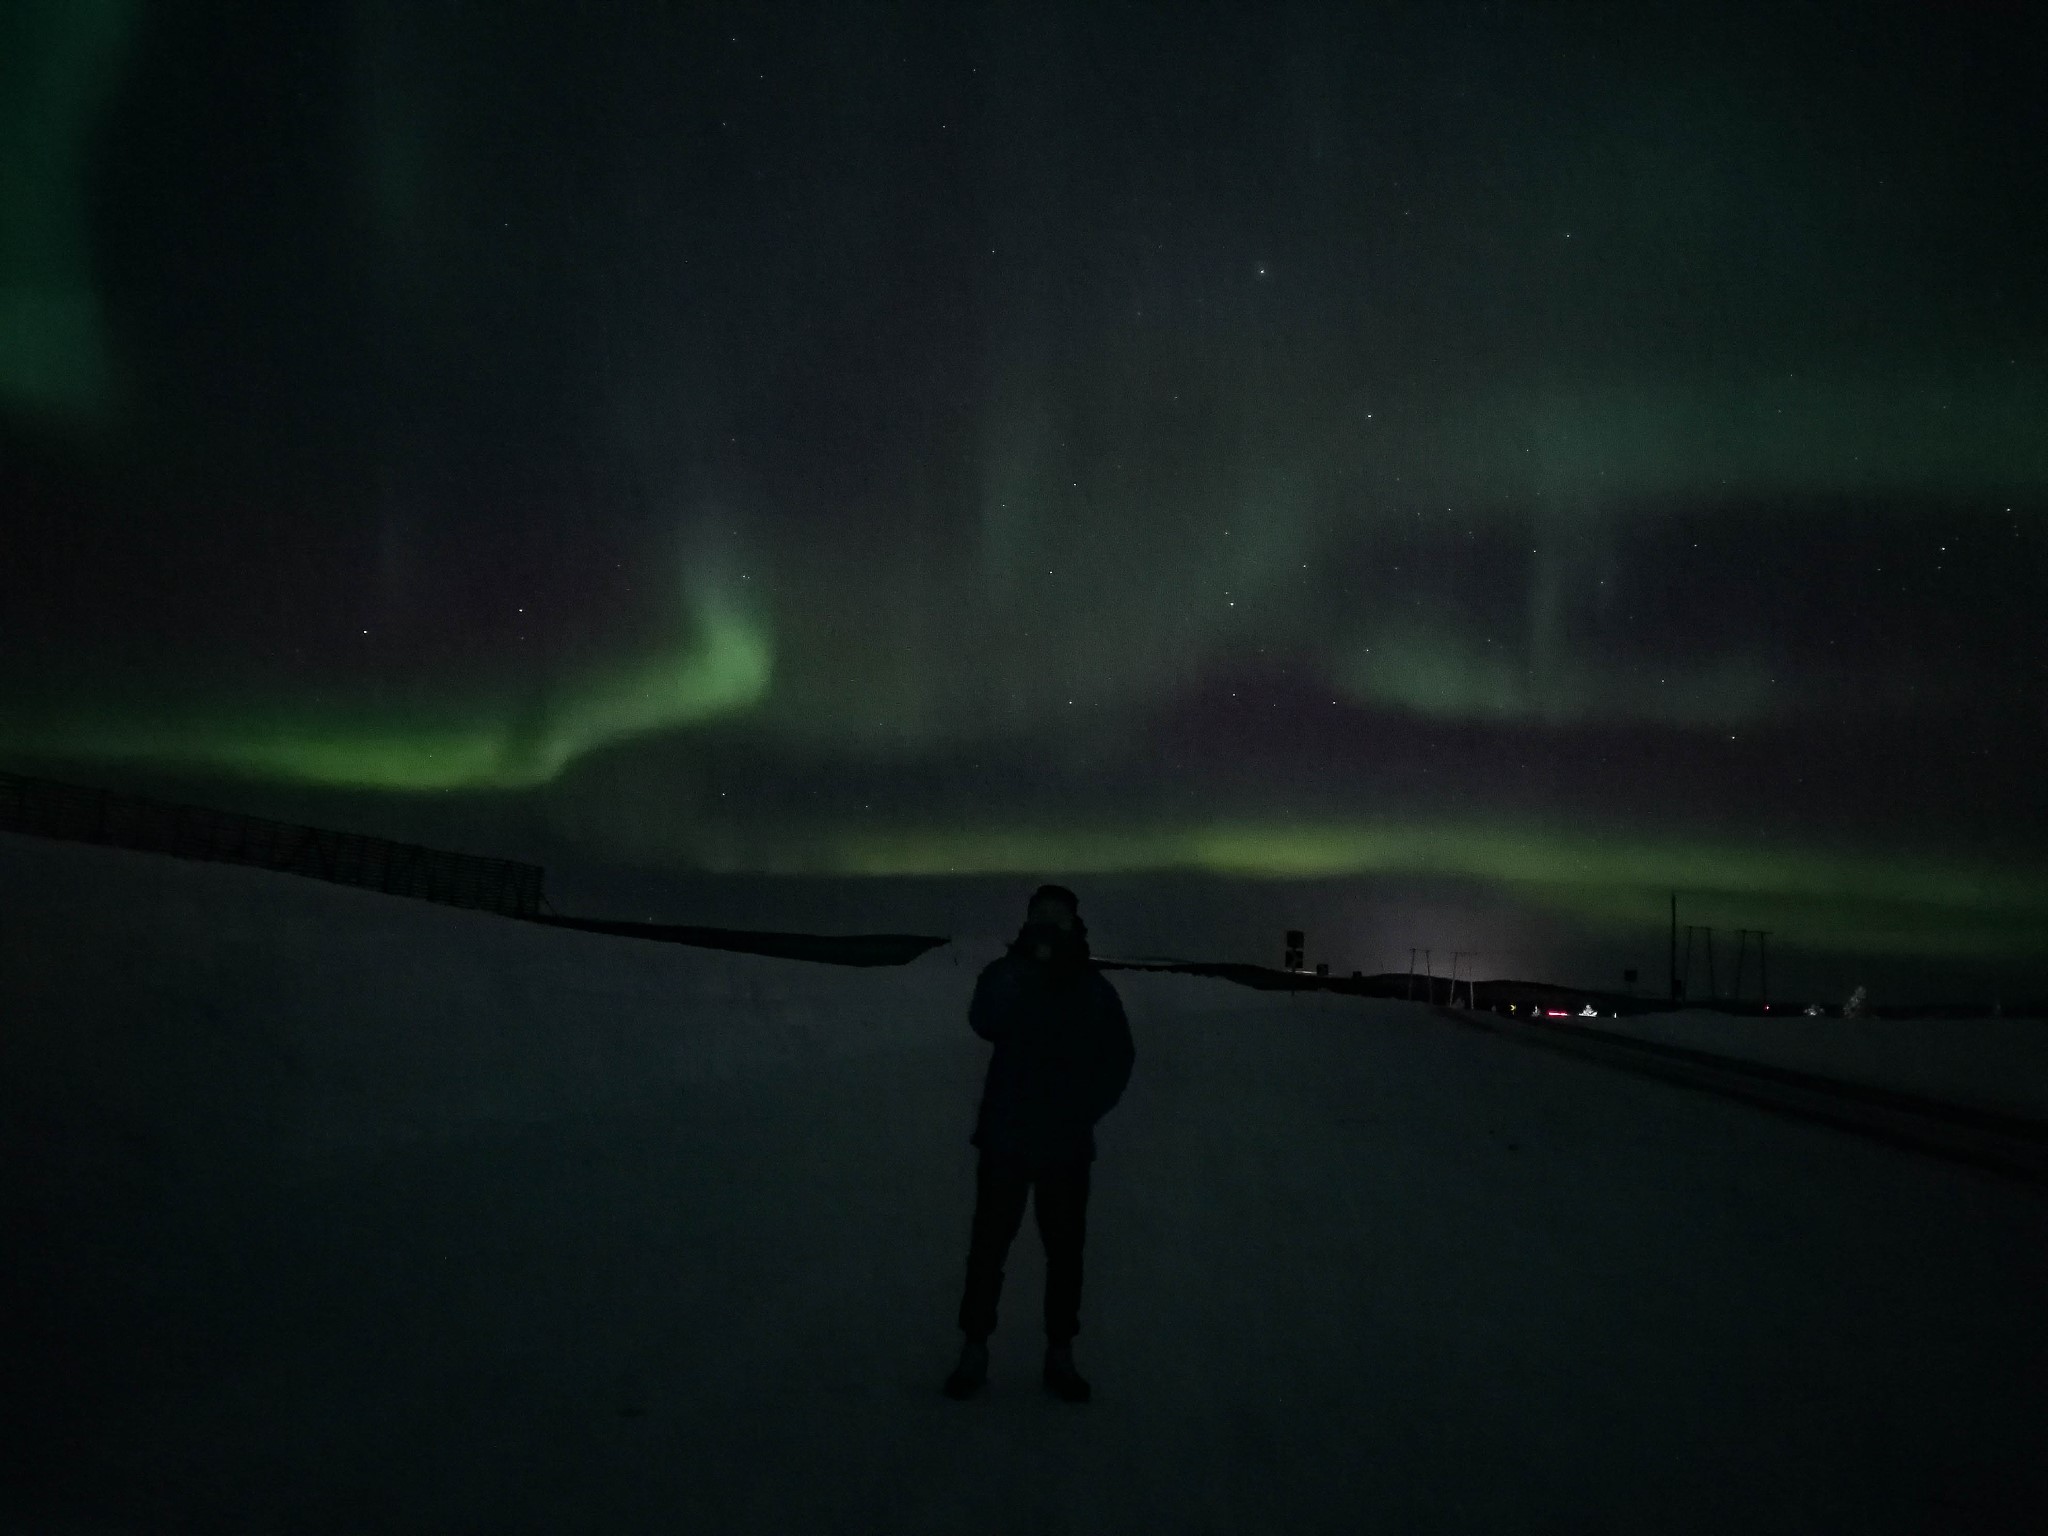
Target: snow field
x=354 y=1214
x=1997 y=1064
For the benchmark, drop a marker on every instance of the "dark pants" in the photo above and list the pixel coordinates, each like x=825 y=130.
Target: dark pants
x=1062 y=1208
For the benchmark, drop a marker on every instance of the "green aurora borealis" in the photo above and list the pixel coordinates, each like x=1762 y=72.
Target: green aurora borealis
x=1564 y=457
x=507 y=739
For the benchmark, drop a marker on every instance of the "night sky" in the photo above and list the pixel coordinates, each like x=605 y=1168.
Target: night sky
x=1445 y=474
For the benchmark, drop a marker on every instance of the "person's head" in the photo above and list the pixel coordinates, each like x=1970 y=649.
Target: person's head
x=1054 y=906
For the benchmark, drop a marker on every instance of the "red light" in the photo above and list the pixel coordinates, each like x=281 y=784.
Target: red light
x=1555 y=1013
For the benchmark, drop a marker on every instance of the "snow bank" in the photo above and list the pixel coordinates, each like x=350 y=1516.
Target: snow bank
x=175 y=1003
x=1990 y=1063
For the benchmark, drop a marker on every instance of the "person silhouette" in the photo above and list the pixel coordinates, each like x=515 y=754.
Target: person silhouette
x=1062 y=1059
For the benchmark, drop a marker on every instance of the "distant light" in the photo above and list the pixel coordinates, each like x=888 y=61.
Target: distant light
x=1589 y=1012
x=1555 y=1013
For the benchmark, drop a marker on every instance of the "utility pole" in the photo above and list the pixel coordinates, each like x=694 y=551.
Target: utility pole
x=1456 y=956
x=1428 y=973
x=1674 y=949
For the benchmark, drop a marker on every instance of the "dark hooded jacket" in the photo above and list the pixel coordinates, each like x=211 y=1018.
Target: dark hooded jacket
x=1063 y=1051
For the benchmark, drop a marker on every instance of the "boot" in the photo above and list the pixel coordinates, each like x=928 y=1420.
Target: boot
x=1061 y=1378
x=972 y=1370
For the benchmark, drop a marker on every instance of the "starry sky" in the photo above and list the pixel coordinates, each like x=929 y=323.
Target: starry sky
x=1444 y=474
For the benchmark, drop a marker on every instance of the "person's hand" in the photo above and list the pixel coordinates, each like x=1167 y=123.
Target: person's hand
x=1039 y=943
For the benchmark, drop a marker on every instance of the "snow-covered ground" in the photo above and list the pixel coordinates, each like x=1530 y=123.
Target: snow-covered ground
x=1993 y=1063
x=334 y=1213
